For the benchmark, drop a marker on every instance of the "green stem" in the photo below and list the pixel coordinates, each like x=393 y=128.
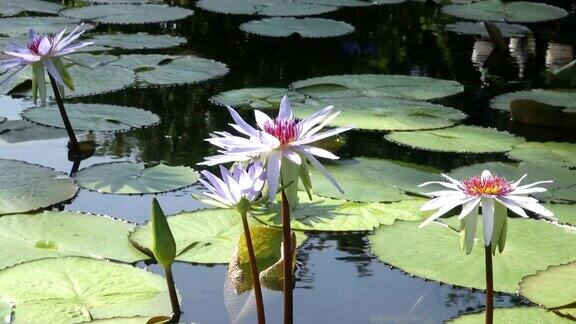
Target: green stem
x=489 y=285
x=65 y=120
x=173 y=296
x=254 y=271
x=287 y=250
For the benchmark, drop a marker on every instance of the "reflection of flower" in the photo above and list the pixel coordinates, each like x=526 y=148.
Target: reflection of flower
x=43 y=51
x=494 y=194
x=354 y=48
x=277 y=138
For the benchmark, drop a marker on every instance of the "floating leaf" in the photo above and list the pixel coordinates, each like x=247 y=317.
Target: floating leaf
x=497 y=10
x=460 y=139
x=553 y=153
x=478 y=28
x=12 y=8
x=127 y=178
x=128 y=13
x=2 y=119
x=28 y=237
x=18 y=131
x=27 y=187
x=565 y=213
x=255 y=98
x=383 y=113
x=93 y=117
x=264 y=7
x=377 y=85
x=557 y=98
x=514 y=315
x=74 y=290
x=21 y=25
x=183 y=70
x=125 y=1
x=136 y=41
x=305 y=27
x=324 y=214
x=434 y=247
x=372 y=180
x=351 y=3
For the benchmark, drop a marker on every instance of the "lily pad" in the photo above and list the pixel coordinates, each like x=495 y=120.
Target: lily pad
x=497 y=10
x=565 y=213
x=264 y=7
x=305 y=27
x=351 y=3
x=21 y=25
x=372 y=180
x=553 y=288
x=127 y=178
x=12 y=8
x=27 y=187
x=557 y=98
x=136 y=41
x=18 y=131
x=377 y=85
x=93 y=117
x=514 y=315
x=74 y=290
x=460 y=139
x=28 y=237
x=183 y=70
x=124 y=14
x=433 y=247
x=324 y=214
x=553 y=153
x=384 y=113
x=478 y=28
x=255 y=98
x=124 y=1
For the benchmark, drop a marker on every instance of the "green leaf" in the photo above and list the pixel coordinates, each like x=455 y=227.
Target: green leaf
x=264 y=7
x=305 y=27
x=478 y=28
x=376 y=85
x=163 y=244
x=383 y=113
x=183 y=70
x=323 y=214
x=21 y=25
x=124 y=14
x=557 y=98
x=497 y=10
x=126 y=178
x=18 y=131
x=565 y=213
x=255 y=98
x=29 y=237
x=63 y=71
x=27 y=187
x=93 y=117
x=135 y=41
x=552 y=153
x=459 y=139
x=434 y=252
x=74 y=290
x=514 y=315
x=13 y=8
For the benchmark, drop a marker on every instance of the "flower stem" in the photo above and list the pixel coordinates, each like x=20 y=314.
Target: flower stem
x=173 y=296
x=65 y=120
x=489 y=285
x=287 y=250
x=255 y=273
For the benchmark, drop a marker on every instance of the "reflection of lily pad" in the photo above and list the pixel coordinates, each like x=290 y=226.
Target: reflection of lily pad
x=553 y=288
x=128 y=13
x=557 y=98
x=17 y=131
x=565 y=213
x=136 y=41
x=264 y=7
x=554 y=153
x=12 y=8
x=255 y=98
x=478 y=28
x=498 y=10
x=21 y=25
x=377 y=85
x=74 y=290
x=126 y=178
x=515 y=315
x=28 y=237
x=93 y=117
x=434 y=247
x=366 y=180
x=305 y=27
x=384 y=113
x=27 y=187
x=461 y=139
x=324 y=214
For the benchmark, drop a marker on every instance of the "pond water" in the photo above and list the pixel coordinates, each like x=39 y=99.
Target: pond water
x=338 y=279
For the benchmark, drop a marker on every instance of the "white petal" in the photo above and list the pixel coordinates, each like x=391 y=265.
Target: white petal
x=315 y=151
x=439 y=213
x=488 y=219
x=245 y=128
x=52 y=70
x=307 y=123
x=262 y=119
x=323 y=135
x=486 y=175
x=512 y=206
x=285 y=109
x=443 y=184
x=323 y=170
x=469 y=207
x=273 y=174
x=292 y=156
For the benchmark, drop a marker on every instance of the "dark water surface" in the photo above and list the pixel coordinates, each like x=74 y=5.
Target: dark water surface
x=338 y=280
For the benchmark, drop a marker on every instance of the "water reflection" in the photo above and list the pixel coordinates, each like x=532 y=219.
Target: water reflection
x=558 y=55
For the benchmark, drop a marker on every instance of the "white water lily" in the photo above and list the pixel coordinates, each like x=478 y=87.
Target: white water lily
x=494 y=195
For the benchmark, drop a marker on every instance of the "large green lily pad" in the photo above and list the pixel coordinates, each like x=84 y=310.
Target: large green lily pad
x=264 y=7
x=554 y=288
x=498 y=10
x=459 y=139
x=433 y=252
x=75 y=289
x=136 y=41
x=478 y=28
x=128 y=13
x=383 y=113
x=565 y=213
x=553 y=153
x=127 y=178
x=377 y=85
x=324 y=214
x=21 y=25
x=255 y=98
x=93 y=117
x=558 y=98
x=12 y=8
x=18 y=131
x=125 y=1
x=27 y=187
x=372 y=180
x=183 y=70
x=515 y=315
x=305 y=27
x=28 y=237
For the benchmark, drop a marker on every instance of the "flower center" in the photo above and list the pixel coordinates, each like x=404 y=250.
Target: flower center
x=493 y=185
x=34 y=44
x=284 y=130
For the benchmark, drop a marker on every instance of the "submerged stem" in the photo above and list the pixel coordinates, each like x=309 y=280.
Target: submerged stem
x=65 y=120
x=173 y=296
x=489 y=285
x=255 y=273
x=287 y=250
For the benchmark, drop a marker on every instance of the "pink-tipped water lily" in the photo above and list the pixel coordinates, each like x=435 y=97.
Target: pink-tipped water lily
x=275 y=139
x=494 y=195
x=43 y=52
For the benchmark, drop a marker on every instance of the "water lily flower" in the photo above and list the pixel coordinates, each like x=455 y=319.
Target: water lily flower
x=494 y=194
x=276 y=139
x=43 y=52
